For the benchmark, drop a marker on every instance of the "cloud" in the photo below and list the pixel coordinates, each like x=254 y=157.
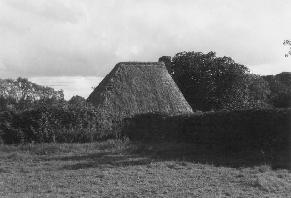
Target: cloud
x=72 y=37
x=74 y=85
x=2 y=66
x=59 y=11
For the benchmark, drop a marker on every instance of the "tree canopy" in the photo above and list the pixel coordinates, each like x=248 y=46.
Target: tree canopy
x=280 y=86
x=21 y=94
x=216 y=83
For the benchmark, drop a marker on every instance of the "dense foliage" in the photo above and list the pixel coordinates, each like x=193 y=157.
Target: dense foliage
x=60 y=122
x=21 y=94
x=33 y=113
x=280 y=86
x=266 y=129
x=219 y=83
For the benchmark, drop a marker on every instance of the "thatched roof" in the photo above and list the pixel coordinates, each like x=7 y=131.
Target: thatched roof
x=135 y=88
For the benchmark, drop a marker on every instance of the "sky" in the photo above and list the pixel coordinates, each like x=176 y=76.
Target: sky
x=71 y=85
x=57 y=42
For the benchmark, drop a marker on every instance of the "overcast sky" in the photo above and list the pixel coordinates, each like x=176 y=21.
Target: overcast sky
x=87 y=38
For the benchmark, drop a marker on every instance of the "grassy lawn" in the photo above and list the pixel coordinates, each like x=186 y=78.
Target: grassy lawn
x=124 y=169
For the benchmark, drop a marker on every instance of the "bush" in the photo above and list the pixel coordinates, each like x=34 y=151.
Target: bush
x=268 y=129
x=53 y=123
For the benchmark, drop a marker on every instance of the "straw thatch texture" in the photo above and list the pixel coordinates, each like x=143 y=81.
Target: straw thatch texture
x=135 y=88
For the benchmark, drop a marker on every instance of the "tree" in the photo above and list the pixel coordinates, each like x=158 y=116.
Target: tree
x=280 y=86
x=287 y=43
x=77 y=101
x=209 y=82
x=21 y=94
x=7 y=103
x=259 y=92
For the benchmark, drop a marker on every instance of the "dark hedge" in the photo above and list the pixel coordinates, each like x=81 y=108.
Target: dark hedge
x=268 y=129
x=53 y=124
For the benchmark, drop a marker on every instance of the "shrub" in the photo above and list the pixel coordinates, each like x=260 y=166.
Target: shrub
x=60 y=122
x=268 y=129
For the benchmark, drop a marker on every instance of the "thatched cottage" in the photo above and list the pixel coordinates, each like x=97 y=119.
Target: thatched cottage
x=136 y=88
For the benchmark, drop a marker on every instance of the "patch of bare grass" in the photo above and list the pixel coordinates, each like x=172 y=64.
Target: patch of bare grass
x=62 y=148
x=125 y=169
x=270 y=182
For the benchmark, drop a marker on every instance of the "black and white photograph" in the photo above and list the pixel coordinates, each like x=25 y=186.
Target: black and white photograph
x=145 y=98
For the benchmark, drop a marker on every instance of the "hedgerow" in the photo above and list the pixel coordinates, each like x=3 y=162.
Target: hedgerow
x=265 y=129
x=60 y=123
x=268 y=129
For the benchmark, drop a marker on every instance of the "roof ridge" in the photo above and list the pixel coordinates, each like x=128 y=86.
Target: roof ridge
x=139 y=63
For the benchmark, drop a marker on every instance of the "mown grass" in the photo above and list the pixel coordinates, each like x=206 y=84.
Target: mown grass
x=120 y=168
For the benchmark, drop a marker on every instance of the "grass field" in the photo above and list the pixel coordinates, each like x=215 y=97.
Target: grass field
x=125 y=169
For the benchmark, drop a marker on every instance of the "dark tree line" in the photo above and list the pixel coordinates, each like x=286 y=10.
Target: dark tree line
x=219 y=83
